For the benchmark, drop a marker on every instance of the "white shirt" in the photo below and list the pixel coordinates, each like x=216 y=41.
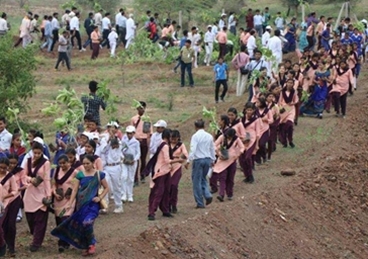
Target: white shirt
x=131 y=146
x=221 y=24
x=55 y=24
x=265 y=37
x=130 y=28
x=5 y=140
x=214 y=30
x=194 y=38
x=24 y=27
x=279 y=22
x=65 y=19
x=122 y=21
x=202 y=146
x=257 y=19
x=112 y=37
x=98 y=18
x=232 y=21
x=156 y=140
x=209 y=37
x=117 y=16
x=111 y=155
x=74 y=23
x=275 y=45
x=251 y=44
x=3 y=25
x=33 y=25
x=256 y=65
x=106 y=23
x=62 y=40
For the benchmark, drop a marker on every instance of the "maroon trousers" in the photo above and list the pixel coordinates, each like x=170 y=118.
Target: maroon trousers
x=271 y=146
x=60 y=220
x=37 y=222
x=262 y=151
x=10 y=221
x=214 y=182
x=339 y=100
x=222 y=50
x=329 y=99
x=286 y=132
x=174 y=187
x=95 y=50
x=160 y=195
x=226 y=179
x=142 y=164
x=246 y=161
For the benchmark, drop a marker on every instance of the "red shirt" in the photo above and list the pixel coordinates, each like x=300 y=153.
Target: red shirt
x=153 y=29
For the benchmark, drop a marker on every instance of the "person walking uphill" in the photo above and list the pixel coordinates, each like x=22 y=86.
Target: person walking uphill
x=186 y=56
x=202 y=155
x=92 y=103
x=221 y=75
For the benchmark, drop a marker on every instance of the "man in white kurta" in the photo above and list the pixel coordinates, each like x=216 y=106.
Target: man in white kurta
x=25 y=33
x=130 y=30
x=275 y=45
x=209 y=39
x=266 y=36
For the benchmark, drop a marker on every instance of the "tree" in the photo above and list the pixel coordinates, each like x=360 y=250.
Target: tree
x=97 y=5
x=294 y=4
x=17 y=82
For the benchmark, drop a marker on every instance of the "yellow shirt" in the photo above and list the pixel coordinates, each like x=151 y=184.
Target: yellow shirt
x=187 y=54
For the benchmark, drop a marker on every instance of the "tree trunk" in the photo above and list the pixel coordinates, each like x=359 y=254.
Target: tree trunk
x=288 y=11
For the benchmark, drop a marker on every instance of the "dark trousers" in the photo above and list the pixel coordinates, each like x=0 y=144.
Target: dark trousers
x=186 y=67
x=174 y=187
x=218 y=84
x=63 y=56
x=144 y=151
x=262 y=151
x=79 y=40
x=122 y=33
x=59 y=220
x=55 y=38
x=250 y=89
x=105 y=35
x=178 y=64
x=160 y=195
x=226 y=179
x=328 y=100
x=222 y=50
x=37 y=223
x=246 y=161
x=9 y=222
x=339 y=101
x=214 y=182
x=319 y=46
x=95 y=50
x=310 y=40
x=286 y=132
x=271 y=146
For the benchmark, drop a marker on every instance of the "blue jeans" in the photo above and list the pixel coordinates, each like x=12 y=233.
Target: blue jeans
x=188 y=68
x=200 y=186
x=47 y=43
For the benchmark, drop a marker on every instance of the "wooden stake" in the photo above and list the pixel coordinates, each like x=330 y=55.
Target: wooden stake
x=339 y=17
x=180 y=19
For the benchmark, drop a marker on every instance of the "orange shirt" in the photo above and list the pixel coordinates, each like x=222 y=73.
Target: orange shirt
x=139 y=128
x=95 y=37
x=10 y=187
x=164 y=32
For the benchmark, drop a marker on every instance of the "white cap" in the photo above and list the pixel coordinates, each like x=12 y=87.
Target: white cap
x=131 y=15
x=113 y=123
x=268 y=27
x=38 y=140
x=209 y=26
x=113 y=29
x=130 y=129
x=94 y=135
x=161 y=124
x=364 y=21
x=223 y=14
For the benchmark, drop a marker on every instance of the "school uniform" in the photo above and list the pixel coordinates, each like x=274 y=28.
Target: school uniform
x=112 y=39
x=266 y=118
x=5 y=139
x=287 y=103
x=226 y=169
x=36 y=211
x=7 y=186
x=176 y=171
x=63 y=181
x=131 y=147
x=238 y=126
x=271 y=146
x=340 y=89
x=112 y=164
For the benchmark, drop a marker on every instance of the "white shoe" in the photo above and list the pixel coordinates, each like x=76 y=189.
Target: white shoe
x=101 y=47
x=82 y=50
x=119 y=210
x=130 y=199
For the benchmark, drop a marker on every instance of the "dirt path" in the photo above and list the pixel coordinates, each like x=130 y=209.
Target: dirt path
x=319 y=213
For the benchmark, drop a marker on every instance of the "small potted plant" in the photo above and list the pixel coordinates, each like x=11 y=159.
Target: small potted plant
x=224 y=152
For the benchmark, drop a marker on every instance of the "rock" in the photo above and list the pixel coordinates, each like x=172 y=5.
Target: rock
x=173 y=249
x=288 y=172
x=164 y=252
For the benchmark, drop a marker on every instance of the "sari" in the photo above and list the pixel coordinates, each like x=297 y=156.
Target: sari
x=77 y=230
x=290 y=37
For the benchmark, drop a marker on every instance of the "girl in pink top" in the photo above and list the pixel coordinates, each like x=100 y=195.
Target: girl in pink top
x=275 y=111
x=8 y=189
x=160 y=166
x=235 y=122
x=177 y=151
x=90 y=149
x=15 y=202
x=252 y=128
x=223 y=123
x=73 y=161
x=288 y=100
x=340 y=87
x=309 y=72
x=266 y=118
x=225 y=167
x=37 y=181
x=62 y=189
x=261 y=83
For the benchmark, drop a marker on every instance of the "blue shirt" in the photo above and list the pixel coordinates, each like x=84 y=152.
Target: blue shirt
x=345 y=41
x=48 y=28
x=220 y=71
x=182 y=42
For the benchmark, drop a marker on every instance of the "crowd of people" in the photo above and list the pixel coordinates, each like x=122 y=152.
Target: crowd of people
x=98 y=168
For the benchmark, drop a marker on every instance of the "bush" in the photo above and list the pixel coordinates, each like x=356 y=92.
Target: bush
x=17 y=82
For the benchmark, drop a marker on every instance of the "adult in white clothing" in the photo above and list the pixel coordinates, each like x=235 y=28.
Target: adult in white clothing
x=3 y=24
x=209 y=39
x=251 y=44
x=275 y=45
x=98 y=20
x=266 y=36
x=130 y=30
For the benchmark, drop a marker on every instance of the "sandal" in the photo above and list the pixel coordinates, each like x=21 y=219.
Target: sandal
x=91 y=250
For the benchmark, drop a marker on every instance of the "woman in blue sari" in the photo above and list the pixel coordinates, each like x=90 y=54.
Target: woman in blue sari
x=77 y=230
x=290 y=36
x=316 y=102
